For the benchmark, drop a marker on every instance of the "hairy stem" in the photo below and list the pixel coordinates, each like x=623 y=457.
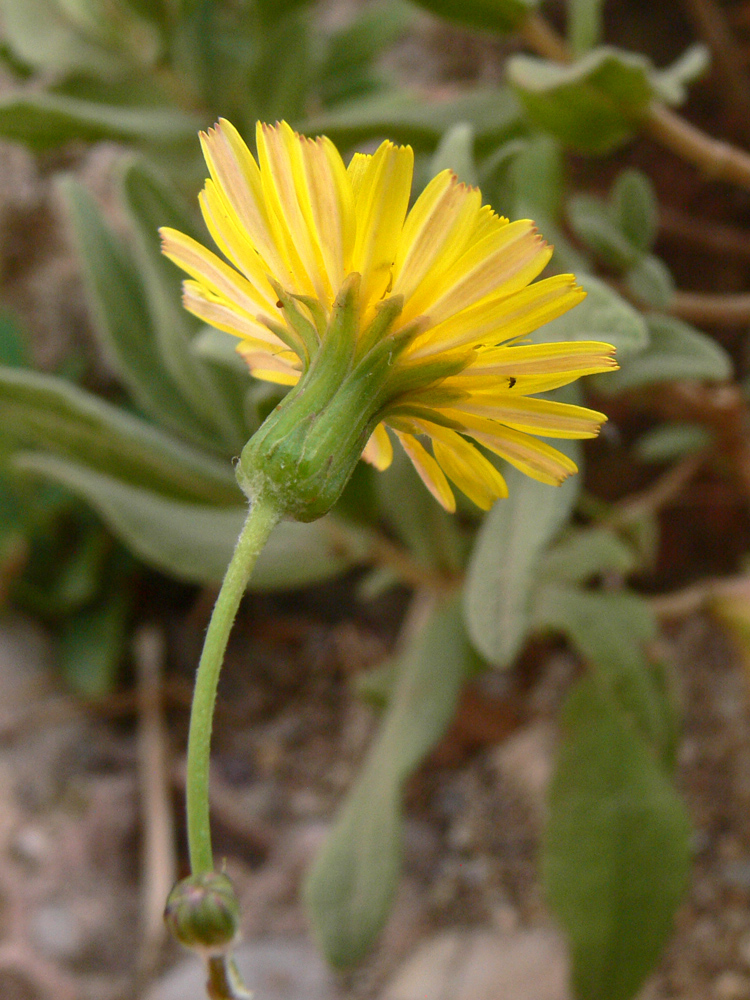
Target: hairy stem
x=262 y=518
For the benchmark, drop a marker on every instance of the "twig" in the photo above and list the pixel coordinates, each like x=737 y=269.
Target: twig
x=712 y=309
x=659 y=494
x=716 y=159
x=711 y=24
x=703 y=232
x=159 y=861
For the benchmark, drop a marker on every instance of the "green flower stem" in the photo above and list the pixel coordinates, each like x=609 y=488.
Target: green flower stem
x=262 y=518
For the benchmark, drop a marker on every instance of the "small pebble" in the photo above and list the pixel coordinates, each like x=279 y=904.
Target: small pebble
x=731 y=986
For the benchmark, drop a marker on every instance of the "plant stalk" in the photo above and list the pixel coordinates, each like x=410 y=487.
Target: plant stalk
x=261 y=519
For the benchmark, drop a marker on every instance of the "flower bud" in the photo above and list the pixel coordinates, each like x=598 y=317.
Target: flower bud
x=202 y=912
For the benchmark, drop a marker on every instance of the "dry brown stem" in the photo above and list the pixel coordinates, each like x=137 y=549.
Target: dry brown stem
x=716 y=159
x=159 y=856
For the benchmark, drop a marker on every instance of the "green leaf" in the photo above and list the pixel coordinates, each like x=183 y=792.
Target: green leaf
x=44 y=412
x=536 y=178
x=592 y=105
x=149 y=204
x=421 y=524
x=617 y=849
x=500 y=16
x=92 y=645
x=591 y=220
x=353 y=881
x=584 y=24
x=586 y=553
x=494 y=115
x=455 y=152
x=676 y=351
x=505 y=560
x=603 y=315
x=79 y=578
x=347 y=69
x=635 y=208
x=282 y=69
x=45 y=121
x=651 y=282
x=42 y=36
x=194 y=542
x=220 y=348
x=14 y=352
x=671 y=83
x=122 y=317
x=610 y=631
x=669 y=442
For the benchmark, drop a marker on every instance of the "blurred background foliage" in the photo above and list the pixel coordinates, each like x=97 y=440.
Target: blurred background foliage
x=94 y=489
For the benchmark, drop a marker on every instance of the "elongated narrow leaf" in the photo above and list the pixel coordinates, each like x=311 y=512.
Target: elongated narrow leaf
x=194 y=542
x=635 y=208
x=584 y=24
x=617 y=849
x=502 y=569
x=149 y=205
x=611 y=632
x=676 y=351
x=402 y=117
x=669 y=442
x=123 y=320
x=421 y=524
x=351 y=886
x=47 y=413
x=500 y=16
x=603 y=315
x=39 y=34
x=44 y=121
x=348 y=68
x=586 y=553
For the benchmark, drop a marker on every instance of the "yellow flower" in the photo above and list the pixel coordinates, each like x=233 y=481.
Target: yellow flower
x=421 y=312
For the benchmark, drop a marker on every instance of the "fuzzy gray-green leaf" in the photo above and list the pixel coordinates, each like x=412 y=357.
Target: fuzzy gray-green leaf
x=194 y=542
x=617 y=848
x=44 y=412
x=503 y=565
x=353 y=881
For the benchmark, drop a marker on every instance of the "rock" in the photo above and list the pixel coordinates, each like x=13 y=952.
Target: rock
x=57 y=932
x=731 y=986
x=526 y=760
x=482 y=965
x=25 y=665
x=273 y=968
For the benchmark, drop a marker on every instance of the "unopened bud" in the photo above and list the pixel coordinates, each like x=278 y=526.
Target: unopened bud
x=202 y=912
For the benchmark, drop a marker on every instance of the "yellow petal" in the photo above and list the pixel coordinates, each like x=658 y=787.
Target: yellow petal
x=232 y=240
x=379 y=449
x=211 y=271
x=500 y=264
x=285 y=189
x=224 y=315
x=474 y=474
x=357 y=171
x=269 y=367
x=436 y=231
x=503 y=318
x=533 y=457
x=538 y=416
x=381 y=199
x=429 y=471
x=237 y=176
x=332 y=205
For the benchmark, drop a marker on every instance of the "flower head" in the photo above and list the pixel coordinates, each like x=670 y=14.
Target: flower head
x=383 y=316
